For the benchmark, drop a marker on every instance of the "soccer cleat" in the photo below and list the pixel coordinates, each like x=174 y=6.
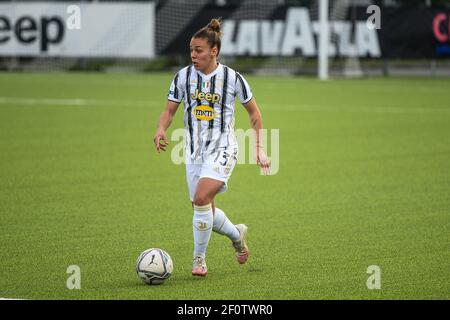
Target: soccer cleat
x=199 y=267
x=240 y=246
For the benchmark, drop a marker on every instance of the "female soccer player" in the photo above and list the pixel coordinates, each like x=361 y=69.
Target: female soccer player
x=209 y=90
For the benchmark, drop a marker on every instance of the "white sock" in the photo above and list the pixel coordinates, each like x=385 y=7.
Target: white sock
x=223 y=225
x=202 y=226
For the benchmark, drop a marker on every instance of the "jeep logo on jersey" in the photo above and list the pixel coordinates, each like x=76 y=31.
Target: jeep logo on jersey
x=212 y=97
x=204 y=113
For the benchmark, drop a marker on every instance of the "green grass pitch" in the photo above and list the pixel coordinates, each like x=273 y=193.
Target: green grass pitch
x=364 y=180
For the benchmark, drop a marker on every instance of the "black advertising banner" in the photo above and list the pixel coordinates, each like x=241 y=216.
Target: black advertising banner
x=406 y=33
x=415 y=33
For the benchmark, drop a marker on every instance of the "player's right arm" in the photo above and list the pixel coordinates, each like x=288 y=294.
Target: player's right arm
x=165 y=119
x=174 y=98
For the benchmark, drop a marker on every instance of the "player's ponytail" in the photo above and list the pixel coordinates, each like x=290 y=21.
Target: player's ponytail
x=214 y=25
x=212 y=33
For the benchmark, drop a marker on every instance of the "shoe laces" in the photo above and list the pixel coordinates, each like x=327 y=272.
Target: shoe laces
x=199 y=262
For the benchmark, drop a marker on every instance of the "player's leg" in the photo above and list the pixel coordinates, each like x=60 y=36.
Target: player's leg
x=212 y=205
x=222 y=225
x=236 y=233
x=203 y=219
x=220 y=168
x=200 y=221
x=207 y=189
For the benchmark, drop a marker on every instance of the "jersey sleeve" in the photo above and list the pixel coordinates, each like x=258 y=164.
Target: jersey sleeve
x=176 y=92
x=243 y=90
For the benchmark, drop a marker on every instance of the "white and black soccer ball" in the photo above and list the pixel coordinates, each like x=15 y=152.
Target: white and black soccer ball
x=154 y=266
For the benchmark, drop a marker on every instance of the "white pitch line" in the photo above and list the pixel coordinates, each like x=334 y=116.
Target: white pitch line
x=361 y=109
x=29 y=101
x=282 y=107
x=75 y=102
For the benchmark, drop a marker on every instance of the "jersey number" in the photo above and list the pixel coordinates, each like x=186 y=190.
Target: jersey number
x=225 y=156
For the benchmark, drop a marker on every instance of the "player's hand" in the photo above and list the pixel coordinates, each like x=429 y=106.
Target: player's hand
x=160 y=140
x=263 y=161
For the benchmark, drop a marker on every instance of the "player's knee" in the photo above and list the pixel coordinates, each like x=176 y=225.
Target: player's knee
x=201 y=199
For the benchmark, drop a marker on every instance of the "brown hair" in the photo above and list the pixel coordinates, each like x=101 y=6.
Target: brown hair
x=212 y=33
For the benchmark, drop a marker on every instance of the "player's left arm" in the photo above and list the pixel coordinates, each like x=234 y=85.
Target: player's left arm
x=257 y=125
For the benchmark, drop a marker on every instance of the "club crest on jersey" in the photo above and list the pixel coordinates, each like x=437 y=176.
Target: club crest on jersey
x=204 y=113
x=212 y=97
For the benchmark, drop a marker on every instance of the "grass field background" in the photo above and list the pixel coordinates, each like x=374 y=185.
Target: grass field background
x=364 y=180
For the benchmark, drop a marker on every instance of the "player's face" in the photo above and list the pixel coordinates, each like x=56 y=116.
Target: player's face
x=202 y=55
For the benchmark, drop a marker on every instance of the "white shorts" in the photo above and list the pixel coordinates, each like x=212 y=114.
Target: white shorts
x=217 y=166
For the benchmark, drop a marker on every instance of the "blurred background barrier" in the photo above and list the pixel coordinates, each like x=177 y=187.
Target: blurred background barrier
x=65 y=29
x=262 y=37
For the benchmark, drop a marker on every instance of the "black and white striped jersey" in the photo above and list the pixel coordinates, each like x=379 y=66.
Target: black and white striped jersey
x=209 y=106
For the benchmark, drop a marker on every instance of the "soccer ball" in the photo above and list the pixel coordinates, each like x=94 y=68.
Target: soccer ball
x=154 y=266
